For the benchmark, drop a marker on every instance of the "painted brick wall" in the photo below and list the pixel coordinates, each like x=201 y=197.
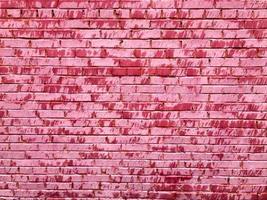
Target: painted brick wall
x=133 y=100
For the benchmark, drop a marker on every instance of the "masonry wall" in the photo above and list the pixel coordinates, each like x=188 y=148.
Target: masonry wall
x=133 y=99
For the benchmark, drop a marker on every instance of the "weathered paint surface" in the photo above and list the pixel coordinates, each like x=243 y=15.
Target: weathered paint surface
x=132 y=99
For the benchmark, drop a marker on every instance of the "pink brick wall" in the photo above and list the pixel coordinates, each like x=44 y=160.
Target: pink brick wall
x=131 y=99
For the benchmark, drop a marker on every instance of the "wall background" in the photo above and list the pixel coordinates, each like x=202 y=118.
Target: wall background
x=133 y=100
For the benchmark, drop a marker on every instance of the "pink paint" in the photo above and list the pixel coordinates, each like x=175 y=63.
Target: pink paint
x=133 y=99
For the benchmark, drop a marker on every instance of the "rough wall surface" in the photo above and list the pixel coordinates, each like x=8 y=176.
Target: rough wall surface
x=133 y=100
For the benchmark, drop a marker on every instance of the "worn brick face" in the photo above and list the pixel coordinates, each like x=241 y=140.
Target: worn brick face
x=123 y=99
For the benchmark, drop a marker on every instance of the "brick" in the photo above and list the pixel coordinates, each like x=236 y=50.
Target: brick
x=21 y=113
x=165 y=44
x=115 y=33
x=138 y=14
x=197 y=13
x=75 y=43
x=224 y=97
x=135 y=44
x=150 y=89
x=169 y=4
x=197 y=4
x=196 y=43
x=192 y=115
x=193 y=80
x=166 y=24
x=183 y=89
x=63 y=13
x=198 y=34
x=146 y=34
x=105 y=43
x=133 y=99
x=12 y=13
x=175 y=34
x=51 y=114
x=73 y=23
x=224 y=62
x=229 y=14
x=227 y=89
x=135 y=4
x=230 y=4
x=213 y=13
x=44 y=43
x=135 y=24
x=253 y=62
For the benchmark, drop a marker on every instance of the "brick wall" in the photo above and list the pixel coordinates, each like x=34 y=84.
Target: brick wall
x=133 y=100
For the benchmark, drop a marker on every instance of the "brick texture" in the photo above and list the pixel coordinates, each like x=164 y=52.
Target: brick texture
x=123 y=99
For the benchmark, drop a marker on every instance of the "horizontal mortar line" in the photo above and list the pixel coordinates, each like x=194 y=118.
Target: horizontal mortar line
x=80 y=135
x=197 y=137
x=143 y=119
x=151 y=19
x=158 y=183
x=9 y=168
x=108 y=92
x=141 y=136
x=179 y=84
x=146 y=110
x=118 y=77
x=63 y=13
x=135 y=28
x=121 y=127
x=136 y=157
x=146 y=150
x=99 y=17
x=158 y=58
x=126 y=160
x=138 y=135
x=135 y=38
x=182 y=182
x=156 y=101
x=138 y=58
x=150 y=191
